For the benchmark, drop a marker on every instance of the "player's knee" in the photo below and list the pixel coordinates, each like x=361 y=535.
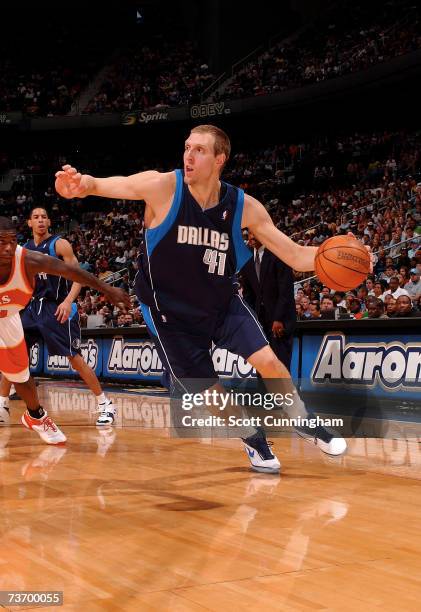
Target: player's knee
x=269 y=366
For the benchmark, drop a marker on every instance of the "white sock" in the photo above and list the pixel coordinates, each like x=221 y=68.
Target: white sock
x=4 y=401
x=101 y=399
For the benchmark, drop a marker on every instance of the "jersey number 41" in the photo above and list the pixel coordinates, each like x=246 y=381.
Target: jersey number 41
x=211 y=257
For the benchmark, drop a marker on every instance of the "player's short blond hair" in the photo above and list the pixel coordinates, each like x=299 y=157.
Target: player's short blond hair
x=222 y=142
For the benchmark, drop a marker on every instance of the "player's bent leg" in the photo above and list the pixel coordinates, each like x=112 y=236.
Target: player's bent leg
x=64 y=339
x=278 y=380
x=106 y=408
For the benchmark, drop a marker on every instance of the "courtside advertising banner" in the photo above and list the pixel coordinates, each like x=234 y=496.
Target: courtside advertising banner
x=91 y=351
x=371 y=365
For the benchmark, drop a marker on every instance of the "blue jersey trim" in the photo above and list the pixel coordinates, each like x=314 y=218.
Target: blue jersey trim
x=154 y=235
x=146 y=311
x=73 y=311
x=52 y=246
x=242 y=252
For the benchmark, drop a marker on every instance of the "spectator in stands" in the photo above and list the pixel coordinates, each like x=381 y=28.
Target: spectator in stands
x=404 y=307
x=390 y=306
x=314 y=310
x=369 y=283
x=388 y=273
x=83 y=317
x=379 y=289
x=305 y=304
x=356 y=308
x=394 y=288
x=403 y=259
x=403 y=270
x=362 y=293
x=299 y=311
x=325 y=292
x=128 y=319
x=327 y=308
x=120 y=320
x=375 y=309
x=413 y=287
x=137 y=317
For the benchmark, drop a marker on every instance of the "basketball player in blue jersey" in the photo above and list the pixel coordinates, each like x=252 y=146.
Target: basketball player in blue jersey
x=193 y=249
x=52 y=312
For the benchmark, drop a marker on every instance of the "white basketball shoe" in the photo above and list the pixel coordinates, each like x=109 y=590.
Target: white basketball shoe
x=324 y=440
x=260 y=456
x=45 y=428
x=107 y=413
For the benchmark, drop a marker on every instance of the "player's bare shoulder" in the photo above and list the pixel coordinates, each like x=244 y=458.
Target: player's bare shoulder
x=253 y=211
x=159 y=188
x=64 y=248
x=159 y=194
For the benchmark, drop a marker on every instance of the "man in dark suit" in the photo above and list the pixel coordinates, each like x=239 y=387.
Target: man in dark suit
x=268 y=287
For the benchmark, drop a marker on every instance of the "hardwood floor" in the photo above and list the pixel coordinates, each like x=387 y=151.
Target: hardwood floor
x=132 y=519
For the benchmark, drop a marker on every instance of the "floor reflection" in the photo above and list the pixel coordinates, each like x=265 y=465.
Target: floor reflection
x=130 y=509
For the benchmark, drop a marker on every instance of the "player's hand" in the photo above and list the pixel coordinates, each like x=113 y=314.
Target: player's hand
x=119 y=298
x=368 y=249
x=63 y=312
x=72 y=184
x=278 y=329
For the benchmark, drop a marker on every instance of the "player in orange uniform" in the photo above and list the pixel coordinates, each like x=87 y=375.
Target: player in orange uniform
x=18 y=268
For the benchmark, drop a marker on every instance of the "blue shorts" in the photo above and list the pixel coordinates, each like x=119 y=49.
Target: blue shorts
x=61 y=338
x=185 y=351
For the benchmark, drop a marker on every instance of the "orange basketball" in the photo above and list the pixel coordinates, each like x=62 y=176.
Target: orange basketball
x=342 y=263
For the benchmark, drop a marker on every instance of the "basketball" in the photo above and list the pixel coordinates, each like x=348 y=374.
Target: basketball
x=342 y=263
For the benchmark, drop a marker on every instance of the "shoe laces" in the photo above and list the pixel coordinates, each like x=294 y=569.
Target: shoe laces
x=103 y=412
x=262 y=446
x=103 y=409
x=49 y=424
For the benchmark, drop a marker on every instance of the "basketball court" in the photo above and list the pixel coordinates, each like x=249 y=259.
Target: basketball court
x=131 y=518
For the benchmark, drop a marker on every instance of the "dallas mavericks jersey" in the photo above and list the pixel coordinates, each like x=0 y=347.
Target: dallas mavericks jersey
x=47 y=286
x=188 y=263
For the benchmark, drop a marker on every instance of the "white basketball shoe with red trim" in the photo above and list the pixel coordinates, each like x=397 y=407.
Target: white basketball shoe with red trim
x=45 y=428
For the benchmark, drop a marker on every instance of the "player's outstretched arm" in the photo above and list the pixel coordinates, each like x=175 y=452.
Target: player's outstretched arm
x=258 y=220
x=141 y=186
x=36 y=263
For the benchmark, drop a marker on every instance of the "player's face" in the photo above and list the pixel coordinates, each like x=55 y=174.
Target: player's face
x=39 y=221
x=200 y=161
x=8 y=244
